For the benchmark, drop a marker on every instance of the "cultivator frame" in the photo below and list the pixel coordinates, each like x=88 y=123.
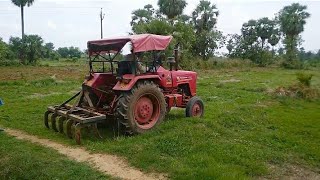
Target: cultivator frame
x=72 y=118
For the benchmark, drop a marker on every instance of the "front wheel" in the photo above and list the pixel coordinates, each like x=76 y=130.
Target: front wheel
x=195 y=107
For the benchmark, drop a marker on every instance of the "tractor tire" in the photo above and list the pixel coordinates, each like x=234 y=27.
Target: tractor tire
x=141 y=109
x=195 y=107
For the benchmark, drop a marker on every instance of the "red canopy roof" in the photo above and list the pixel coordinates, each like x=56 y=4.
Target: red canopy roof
x=140 y=43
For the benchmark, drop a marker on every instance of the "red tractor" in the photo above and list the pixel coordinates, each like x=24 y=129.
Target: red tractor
x=136 y=93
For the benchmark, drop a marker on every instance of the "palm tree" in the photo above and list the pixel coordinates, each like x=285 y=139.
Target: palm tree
x=22 y=4
x=172 y=8
x=292 y=21
x=205 y=16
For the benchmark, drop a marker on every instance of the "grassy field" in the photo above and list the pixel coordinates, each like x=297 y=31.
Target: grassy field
x=245 y=133
x=22 y=160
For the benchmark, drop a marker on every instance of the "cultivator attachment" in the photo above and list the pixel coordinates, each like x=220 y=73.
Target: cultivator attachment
x=70 y=120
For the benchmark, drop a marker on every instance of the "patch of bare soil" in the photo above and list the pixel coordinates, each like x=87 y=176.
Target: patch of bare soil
x=38 y=95
x=108 y=164
x=292 y=172
x=232 y=80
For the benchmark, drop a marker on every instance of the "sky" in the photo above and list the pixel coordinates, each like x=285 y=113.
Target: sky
x=74 y=22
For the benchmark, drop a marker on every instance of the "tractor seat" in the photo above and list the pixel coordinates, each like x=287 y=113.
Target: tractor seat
x=124 y=67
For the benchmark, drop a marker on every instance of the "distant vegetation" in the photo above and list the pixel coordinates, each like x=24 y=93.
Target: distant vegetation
x=262 y=41
x=200 y=38
x=32 y=48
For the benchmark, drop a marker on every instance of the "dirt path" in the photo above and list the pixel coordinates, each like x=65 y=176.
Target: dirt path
x=108 y=164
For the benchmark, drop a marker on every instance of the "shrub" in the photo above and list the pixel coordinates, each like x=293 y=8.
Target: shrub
x=8 y=62
x=295 y=64
x=304 y=79
x=302 y=89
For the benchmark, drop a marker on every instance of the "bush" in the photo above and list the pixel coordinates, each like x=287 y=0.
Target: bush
x=304 y=79
x=8 y=62
x=264 y=58
x=302 y=89
x=295 y=64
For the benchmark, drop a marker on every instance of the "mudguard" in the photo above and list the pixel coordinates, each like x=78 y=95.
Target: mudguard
x=129 y=80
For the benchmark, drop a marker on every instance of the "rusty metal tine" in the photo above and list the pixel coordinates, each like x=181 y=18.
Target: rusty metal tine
x=77 y=133
x=46 y=119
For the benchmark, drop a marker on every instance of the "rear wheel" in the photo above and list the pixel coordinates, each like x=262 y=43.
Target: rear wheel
x=141 y=109
x=195 y=107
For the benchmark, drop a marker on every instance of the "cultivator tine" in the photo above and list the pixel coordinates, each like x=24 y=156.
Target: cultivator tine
x=96 y=130
x=53 y=122
x=60 y=124
x=77 y=134
x=69 y=120
x=69 y=128
x=46 y=119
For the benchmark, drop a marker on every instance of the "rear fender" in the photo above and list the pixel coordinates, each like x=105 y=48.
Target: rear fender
x=129 y=80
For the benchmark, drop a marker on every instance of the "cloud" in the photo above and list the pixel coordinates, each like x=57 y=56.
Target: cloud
x=52 y=25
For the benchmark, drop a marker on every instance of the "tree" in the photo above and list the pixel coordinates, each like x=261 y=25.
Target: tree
x=3 y=50
x=33 y=46
x=292 y=20
x=274 y=40
x=204 y=19
x=28 y=49
x=75 y=52
x=141 y=16
x=205 y=16
x=256 y=36
x=149 y=8
x=160 y=27
x=234 y=45
x=249 y=32
x=16 y=46
x=48 y=49
x=63 y=52
x=185 y=19
x=69 y=52
x=265 y=29
x=22 y=4
x=206 y=42
x=171 y=8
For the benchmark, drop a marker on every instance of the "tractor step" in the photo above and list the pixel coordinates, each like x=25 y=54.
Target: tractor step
x=70 y=120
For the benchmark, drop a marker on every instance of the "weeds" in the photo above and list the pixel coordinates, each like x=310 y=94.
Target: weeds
x=304 y=79
x=302 y=89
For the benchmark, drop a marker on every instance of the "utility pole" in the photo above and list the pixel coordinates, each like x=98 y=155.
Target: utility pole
x=101 y=19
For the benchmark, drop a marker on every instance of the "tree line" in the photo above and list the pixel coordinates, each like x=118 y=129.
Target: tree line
x=31 y=48
x=199 y=37
x=263 y=40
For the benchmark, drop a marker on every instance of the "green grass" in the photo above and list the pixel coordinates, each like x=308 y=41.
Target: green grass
x=244 y=131
x=22 y=160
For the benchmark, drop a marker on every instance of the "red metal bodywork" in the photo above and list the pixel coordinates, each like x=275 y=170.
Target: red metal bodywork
x=129 y=80
x=171 y=82
x=178 y=86
x=101 y=83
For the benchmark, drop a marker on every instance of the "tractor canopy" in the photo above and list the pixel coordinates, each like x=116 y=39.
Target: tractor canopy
x=140 y=43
